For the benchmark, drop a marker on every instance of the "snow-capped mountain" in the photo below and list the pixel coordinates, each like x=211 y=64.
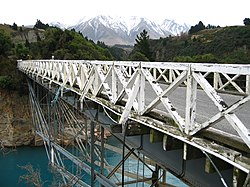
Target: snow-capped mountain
x=173 y=27
x=59 y=25
x=123 y=30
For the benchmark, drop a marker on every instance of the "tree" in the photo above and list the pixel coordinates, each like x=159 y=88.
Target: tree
x=102 y=44
x=209 y=26
x=21 y=51
x=14 y=26
x=246 y=21
x=41 y=25
x=6 y=82
x=198 y=27
x=5 y=43
x=137 y=56
x=142 y=44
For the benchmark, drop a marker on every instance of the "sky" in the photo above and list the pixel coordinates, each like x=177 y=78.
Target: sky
x=214 y=12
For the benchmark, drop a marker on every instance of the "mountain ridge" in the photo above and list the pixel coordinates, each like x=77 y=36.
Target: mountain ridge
x=123 y=30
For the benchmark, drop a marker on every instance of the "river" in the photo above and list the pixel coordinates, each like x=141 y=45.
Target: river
x=12 y=159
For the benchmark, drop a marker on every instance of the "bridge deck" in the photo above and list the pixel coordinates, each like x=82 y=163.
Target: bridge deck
x=205 y=108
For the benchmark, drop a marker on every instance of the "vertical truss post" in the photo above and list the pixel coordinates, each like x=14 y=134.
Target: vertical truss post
x=37 y=91
x=61 y=91
x=49 y=124
x=190 y=102
x=96 y=77
x=170 y=78
x=114 y=83
x=81 y=105
x=129 y=71
x=92 y=131
x=248 y=84
x=102 y=150
x=216 y=80
x=86 y=136
x=52 y=155
x=164 y=177
x=155 y=73
x=141 y=99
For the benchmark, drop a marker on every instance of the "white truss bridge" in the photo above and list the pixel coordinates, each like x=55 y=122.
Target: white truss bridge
x=205 y=106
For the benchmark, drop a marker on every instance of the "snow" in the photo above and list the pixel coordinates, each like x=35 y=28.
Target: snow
x=59 y=25
x=128 y=24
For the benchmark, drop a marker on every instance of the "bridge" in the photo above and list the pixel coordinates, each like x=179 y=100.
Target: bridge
x=189 y=119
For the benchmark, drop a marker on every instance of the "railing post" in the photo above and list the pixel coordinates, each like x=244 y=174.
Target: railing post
x=248 y=84
x=190 y=101
x=155 y=73
x=216 y=80
x=171 y=76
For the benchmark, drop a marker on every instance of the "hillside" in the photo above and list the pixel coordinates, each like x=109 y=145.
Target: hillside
x=224 y=45
x=23 y=34
x=36 y=43
x=32 y=43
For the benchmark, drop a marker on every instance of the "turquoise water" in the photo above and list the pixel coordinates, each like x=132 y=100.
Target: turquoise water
x=10 y=163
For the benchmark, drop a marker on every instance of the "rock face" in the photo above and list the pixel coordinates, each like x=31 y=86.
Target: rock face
x=15 y=120
x=30 y=35
x=16 y=128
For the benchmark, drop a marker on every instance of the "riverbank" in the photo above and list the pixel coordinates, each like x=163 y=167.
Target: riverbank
x=16 y=127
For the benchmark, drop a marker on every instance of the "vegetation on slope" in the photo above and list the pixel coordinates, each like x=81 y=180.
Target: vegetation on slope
x=42 y=42
x=222 y=45
x=201 y=44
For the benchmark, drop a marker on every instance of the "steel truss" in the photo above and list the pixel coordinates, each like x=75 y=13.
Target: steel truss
x=126 y=80
x=69 y=156
x=124 y=88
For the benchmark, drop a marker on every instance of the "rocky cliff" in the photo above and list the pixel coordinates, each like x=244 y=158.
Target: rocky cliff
x=27 y=34
x=23 y=34
x=15 y=120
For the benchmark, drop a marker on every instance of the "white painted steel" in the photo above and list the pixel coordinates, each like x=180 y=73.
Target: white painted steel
x=125 y=81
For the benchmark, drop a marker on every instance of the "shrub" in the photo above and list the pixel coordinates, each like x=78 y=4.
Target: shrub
x=6 y=82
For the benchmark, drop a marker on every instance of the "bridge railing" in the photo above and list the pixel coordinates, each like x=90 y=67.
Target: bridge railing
x=135 y=82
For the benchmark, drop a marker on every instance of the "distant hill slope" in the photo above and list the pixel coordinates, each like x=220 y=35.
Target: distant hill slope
x=226 y=45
